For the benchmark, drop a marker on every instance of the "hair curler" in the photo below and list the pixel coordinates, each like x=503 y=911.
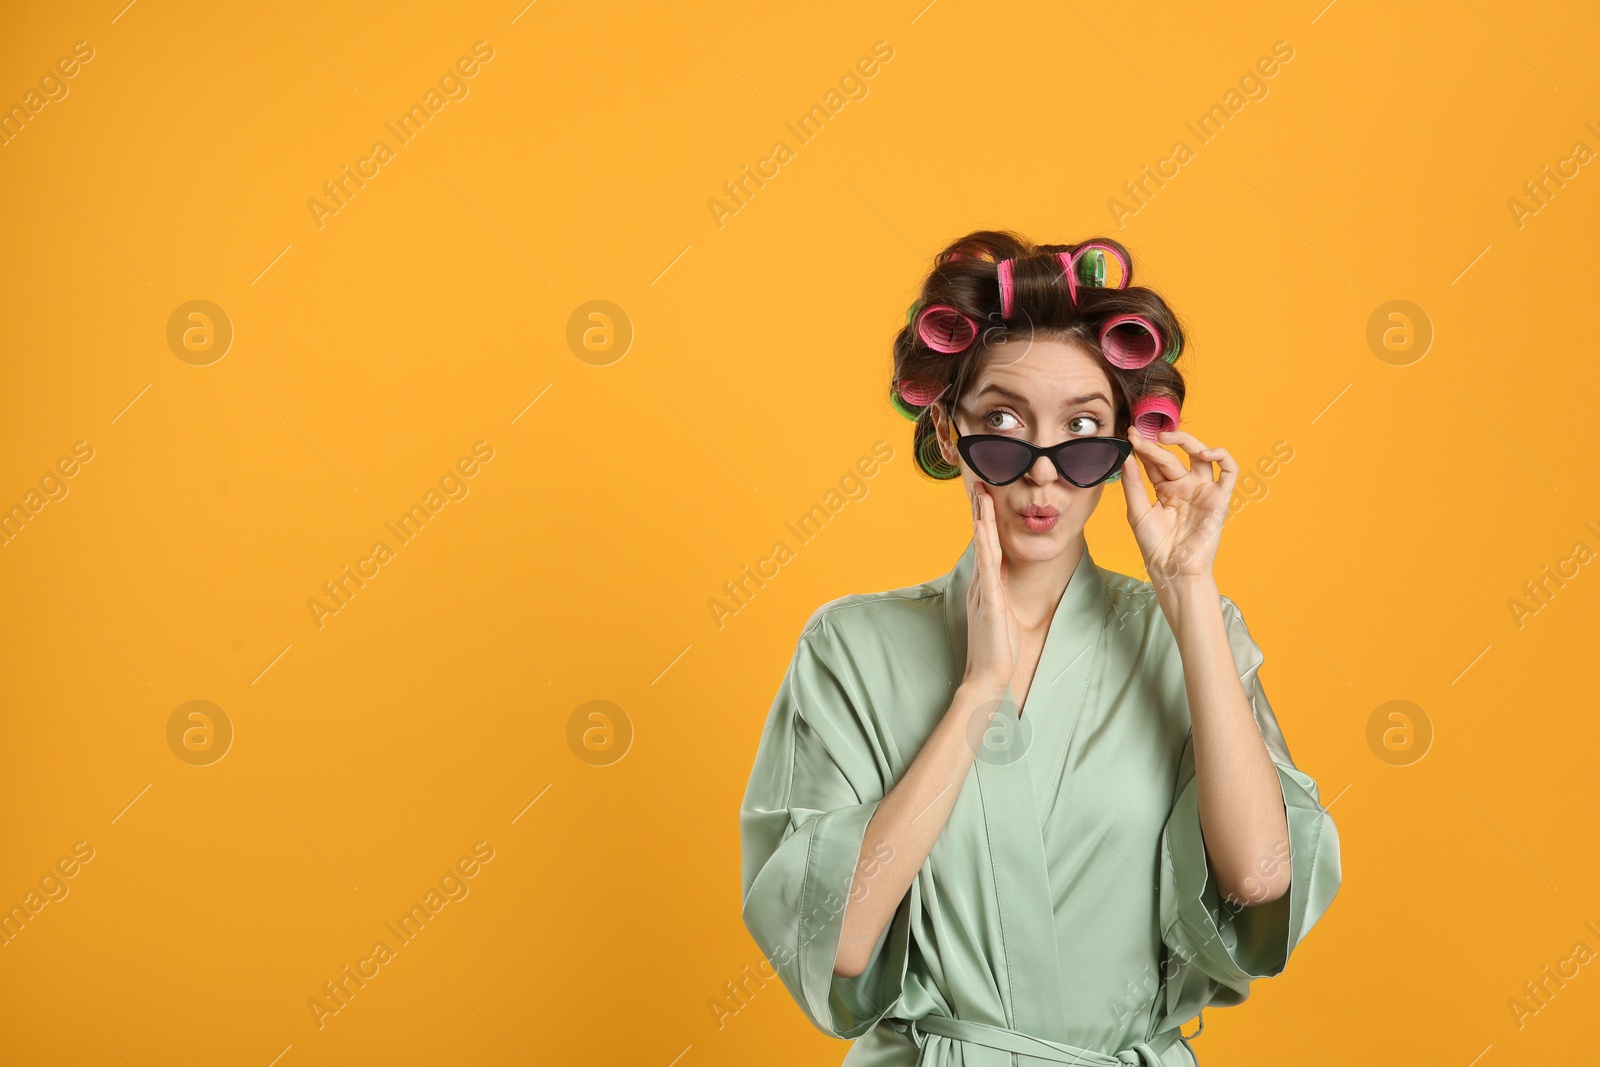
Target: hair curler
x=1007 y=289
x=1130 y=341
x=1154 y=414
x=1069 y=272
x=1091 y=269
x=911 y=396
x=967 y=252
x=1086 y=265
x=919 y=392
x=1098 y=264
x=944 y=329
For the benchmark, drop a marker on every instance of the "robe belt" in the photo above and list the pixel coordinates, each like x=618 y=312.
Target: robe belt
x=1142 y=1054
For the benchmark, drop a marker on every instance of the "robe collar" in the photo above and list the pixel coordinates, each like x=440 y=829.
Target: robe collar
x=1077 y=614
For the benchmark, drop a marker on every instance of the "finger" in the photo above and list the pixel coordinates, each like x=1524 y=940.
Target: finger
x=1230 y=471
x=991 y=533
x=1162 y=465
x=1200 y=457
x=979 y=543
x=1133 y=490
x=982 y=580
x=1001 y=569
x=1183 y=439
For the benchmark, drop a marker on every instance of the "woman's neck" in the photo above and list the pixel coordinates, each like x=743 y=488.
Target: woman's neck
x=1034 y=588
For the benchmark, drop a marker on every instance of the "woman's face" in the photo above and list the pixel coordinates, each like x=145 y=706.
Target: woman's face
x=1054 y=391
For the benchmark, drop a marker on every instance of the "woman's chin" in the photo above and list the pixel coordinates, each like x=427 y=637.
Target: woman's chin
x=1034 y=546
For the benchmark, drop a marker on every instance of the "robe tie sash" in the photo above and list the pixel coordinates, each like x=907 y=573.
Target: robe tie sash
x=1004 y=1042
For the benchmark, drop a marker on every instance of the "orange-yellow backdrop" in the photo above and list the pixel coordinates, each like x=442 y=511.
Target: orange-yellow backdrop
x=1440 y=461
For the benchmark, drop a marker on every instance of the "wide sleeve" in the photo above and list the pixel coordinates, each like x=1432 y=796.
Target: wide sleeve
x=1217 y=946
x=813 y=789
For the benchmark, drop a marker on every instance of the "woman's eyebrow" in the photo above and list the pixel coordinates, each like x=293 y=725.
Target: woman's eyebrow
x=1070 y=401
x=1074 y=400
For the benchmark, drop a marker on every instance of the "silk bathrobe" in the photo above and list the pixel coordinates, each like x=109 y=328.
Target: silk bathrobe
x=1065 y=914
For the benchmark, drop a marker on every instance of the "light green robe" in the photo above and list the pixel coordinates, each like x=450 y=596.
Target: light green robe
x=1065 y=913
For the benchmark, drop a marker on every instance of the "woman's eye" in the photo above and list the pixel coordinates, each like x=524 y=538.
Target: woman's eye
x=1094 y=425
x=1002 y=415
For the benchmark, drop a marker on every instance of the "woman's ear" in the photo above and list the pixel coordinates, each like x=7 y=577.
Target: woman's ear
x=941 y=428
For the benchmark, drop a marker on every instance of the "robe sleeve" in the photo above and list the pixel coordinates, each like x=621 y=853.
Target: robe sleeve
x=1216 y=946
x=813 y=789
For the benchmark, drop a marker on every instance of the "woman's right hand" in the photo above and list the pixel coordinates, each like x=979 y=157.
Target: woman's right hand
x=994 y=641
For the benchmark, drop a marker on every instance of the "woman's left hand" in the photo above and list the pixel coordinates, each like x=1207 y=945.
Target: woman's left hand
x=1179 y=531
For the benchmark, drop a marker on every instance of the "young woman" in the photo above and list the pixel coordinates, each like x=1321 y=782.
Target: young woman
x=1034 y=807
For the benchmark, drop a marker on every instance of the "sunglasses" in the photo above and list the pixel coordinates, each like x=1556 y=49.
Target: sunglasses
x=1001 y=460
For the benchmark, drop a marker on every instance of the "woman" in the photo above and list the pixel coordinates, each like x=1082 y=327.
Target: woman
x=1033 y=806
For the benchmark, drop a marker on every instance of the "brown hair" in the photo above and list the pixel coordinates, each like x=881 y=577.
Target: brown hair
x=965 y=277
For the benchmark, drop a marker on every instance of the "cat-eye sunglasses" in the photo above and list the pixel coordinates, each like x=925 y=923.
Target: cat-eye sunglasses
x=1001 y=460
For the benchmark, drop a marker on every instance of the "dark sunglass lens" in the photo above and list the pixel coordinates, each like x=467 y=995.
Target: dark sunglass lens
x=1090 y=460
x=999 y=461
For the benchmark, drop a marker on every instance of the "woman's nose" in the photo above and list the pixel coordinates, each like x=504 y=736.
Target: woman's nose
x=1043 y=472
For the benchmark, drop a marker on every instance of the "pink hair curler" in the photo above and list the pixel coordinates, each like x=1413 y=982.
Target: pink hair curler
x=1007 y=290
x=1066 y=259
x=1155 y=414
x=944 y=329
x=920 y=392
x=1130 y=341
x=966 y=253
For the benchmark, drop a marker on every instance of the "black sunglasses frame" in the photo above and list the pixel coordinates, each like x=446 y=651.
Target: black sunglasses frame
x=965 y=443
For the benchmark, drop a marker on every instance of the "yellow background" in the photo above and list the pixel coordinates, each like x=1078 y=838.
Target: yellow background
x=432 y=310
